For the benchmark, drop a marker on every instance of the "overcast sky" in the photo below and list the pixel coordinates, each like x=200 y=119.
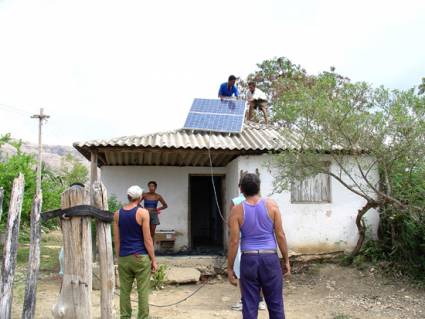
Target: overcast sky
x=104 y=69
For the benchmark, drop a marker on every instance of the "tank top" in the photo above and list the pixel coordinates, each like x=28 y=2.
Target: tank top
x=257 y=230
x=131 y=234
x=150 y=203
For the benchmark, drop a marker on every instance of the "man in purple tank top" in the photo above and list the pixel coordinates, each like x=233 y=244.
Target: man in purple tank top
x=259 y=223
x=136 y=257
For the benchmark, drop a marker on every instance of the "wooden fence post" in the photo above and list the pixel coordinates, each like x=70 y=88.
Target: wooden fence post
x=10 y=249
x=75 y=298
x=28 y=311
x=106 y=258
x=1 y=201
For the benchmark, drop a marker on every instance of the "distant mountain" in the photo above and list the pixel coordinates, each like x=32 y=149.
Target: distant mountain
x=53 y=155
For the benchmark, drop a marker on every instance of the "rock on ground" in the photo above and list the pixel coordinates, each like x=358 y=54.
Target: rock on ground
x=177 y=275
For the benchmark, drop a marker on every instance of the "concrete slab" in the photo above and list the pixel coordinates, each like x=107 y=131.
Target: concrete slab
x=177 y=275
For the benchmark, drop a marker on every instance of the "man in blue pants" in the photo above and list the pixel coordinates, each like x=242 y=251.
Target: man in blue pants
x=260 y=224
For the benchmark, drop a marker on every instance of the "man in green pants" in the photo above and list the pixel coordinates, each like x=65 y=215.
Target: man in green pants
x=134 y=246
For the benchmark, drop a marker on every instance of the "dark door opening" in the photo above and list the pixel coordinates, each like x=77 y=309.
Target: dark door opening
x=206 y=224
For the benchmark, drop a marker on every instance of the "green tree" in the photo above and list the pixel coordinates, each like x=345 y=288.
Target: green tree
x=73 y=171
x=330 y=118
x=421 y=87
x=10 y=167
x=53 y=183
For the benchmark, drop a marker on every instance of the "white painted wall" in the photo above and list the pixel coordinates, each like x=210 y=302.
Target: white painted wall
x=173 y=185
x=232 y=189
x=315 y=228
x=310 y=228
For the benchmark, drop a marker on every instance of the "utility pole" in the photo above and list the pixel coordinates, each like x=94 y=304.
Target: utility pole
x=41 y=117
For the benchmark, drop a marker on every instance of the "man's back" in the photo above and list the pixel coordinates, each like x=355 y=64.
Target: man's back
x=131 y=234
x=260 y=224
x=257 y=228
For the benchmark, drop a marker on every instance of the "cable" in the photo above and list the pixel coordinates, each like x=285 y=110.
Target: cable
x=180 y=301
x=15 y=109
x=212 y=178
x=168 y=305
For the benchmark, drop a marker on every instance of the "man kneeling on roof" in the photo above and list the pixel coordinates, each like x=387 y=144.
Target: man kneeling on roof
x=256 y=100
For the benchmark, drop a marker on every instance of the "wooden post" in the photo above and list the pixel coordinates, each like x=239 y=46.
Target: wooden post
x=41 y=117
x=28 y=311
x=10 y=249
x=75 y=297
x=93 y=168
x=1 y=201
x=93 y=178
x=106 y=258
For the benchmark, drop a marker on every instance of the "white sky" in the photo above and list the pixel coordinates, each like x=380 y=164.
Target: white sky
x=104 y=69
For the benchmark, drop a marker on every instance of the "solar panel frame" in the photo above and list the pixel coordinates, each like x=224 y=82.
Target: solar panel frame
x=225 y=116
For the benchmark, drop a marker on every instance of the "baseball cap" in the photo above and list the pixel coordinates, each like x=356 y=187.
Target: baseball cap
x=135 y=191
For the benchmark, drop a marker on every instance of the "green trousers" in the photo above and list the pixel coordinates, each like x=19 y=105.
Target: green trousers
x=134 y=267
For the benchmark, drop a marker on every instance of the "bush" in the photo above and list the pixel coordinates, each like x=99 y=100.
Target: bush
x=401 y=244
x=114 y=204
x=159 y=277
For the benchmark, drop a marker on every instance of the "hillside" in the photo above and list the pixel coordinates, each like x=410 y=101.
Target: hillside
x=53 y=155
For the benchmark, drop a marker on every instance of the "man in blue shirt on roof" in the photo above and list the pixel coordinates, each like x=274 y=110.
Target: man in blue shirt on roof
x=228 y=89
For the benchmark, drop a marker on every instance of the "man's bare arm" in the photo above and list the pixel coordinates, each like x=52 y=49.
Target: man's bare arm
x=234 y=243
x=147 y=238
x=280 y=234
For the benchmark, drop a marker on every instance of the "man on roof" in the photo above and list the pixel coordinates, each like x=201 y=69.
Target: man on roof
x=228 y=89
x=257 y=99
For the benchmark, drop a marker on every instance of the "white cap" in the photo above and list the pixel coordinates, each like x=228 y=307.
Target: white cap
x=135 y=192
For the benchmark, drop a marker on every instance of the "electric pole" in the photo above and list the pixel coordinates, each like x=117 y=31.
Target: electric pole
x=41 y=117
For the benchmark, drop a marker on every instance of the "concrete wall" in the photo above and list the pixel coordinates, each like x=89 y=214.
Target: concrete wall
x=315 y=228
x=173 y=185
x=232 y=189
x=310 y=228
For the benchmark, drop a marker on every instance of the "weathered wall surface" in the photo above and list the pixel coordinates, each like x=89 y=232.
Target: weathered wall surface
x=315 y=227
x=173 y=185
x=310 y=227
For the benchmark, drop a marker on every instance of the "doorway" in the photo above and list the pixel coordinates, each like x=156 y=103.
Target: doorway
x=206 y=224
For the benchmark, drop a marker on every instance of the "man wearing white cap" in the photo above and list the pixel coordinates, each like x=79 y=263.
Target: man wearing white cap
x=134 y=246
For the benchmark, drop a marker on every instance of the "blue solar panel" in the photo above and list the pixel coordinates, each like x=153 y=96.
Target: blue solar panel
x=218 y=106
x=216 y=115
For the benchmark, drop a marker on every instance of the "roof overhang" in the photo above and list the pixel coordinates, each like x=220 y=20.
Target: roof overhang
x=147 y=156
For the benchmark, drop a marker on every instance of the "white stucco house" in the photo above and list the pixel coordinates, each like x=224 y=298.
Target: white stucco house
x=318 y=219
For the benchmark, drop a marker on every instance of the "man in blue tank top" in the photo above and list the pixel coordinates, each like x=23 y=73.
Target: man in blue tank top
x=134 y=246
x=259 y=224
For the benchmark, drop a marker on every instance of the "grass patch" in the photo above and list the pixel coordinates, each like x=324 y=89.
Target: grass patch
x=49 y=261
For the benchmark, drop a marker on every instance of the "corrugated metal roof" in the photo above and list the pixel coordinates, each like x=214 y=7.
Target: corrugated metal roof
x=188 y=148
x=253 y=137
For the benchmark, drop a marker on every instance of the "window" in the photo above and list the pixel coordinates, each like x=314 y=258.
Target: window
x=313 y=189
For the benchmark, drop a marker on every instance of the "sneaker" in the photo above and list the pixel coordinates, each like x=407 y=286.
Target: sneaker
x=237 y=306
x=262 y=305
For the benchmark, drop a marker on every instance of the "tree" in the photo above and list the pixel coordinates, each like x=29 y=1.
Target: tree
x=10 y=167
x=421 y=87
x=52 y=183
x=331 y=118
x=73 y=171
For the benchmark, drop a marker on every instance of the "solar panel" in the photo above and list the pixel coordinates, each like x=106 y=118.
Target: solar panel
x=216 y=115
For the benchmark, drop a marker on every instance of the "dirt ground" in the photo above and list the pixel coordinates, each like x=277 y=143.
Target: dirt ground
x=323 y=291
